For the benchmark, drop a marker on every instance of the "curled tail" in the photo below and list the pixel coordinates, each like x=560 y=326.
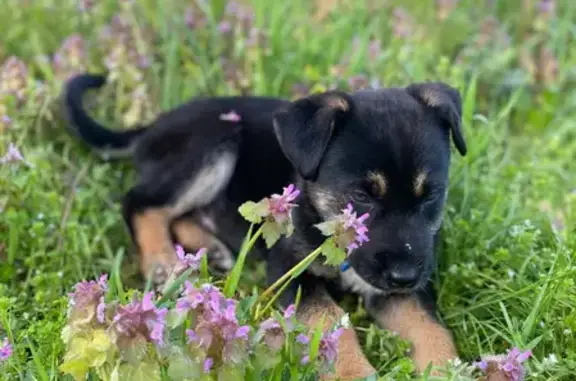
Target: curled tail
x=108 y=142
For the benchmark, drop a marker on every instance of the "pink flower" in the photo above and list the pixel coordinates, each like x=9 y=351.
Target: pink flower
x=208 y=364
x=280 y=205
x=5 y=350
x=87 y=300
x=224 y=27
x=14 y=77
x=71 y=57
x=328 y=347
x=357 y=224
x=218 y=330
x=274 y=212
x=188 y=261
x=328 y=350
x=231 y=116
x=347 y=229
x=141 y=319
x=511 y=364
x=13 y=154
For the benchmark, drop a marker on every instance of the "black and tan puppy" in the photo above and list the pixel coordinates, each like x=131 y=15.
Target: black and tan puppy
x=387 y=151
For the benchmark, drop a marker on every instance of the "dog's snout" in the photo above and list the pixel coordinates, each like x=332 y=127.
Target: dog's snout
x=404 y=276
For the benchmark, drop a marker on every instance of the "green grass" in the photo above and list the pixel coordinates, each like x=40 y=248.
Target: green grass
x=507 y=266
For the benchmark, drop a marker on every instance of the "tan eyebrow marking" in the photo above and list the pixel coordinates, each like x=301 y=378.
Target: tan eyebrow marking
x=379 y=183
x=337 y=102
x=418 y=184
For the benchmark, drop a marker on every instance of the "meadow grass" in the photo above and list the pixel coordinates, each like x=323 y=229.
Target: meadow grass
x=506 y=268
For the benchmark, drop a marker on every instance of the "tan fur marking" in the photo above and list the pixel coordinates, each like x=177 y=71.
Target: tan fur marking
x=431 y=97
x=351 y=363
x=190 y=235
x=430 y=341
x=334 y=101
x=153 y=239
x=379 y=183
x=419 y=181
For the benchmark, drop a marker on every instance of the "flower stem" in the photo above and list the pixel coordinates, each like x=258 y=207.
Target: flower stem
x=298 y=269
x=234 y=277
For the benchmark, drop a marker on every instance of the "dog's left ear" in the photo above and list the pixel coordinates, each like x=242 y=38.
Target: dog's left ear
x=447 y=103
x=304 y=128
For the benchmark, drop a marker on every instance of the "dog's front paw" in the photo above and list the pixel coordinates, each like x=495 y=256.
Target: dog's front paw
x=157 y=266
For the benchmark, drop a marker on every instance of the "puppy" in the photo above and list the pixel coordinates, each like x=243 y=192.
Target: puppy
x=386 y=151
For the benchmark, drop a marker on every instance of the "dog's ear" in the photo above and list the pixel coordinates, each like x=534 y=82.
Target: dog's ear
x=447 y=103
x=306 y=126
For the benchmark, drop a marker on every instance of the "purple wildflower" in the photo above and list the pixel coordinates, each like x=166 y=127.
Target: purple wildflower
x=5 y=122
x=5 y=350
x=188 y=261
x=328 y=350
x=224 y=27
x=208 y=364
x=279 y=206
x=14 y=77
x=218 y=329
x=510 y=364
x=141 y=319
x=272 y=332
x=70 y=58
x=190 y=18
x=348 y=230
x=13 y=154
x=87 y=300
x=303 y=339
x=231 y=116
x=547 y=7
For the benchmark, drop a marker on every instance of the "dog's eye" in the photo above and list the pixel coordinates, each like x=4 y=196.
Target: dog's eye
x=360 y=197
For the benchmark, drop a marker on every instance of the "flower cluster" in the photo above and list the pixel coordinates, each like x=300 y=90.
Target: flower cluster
x=86 y=304
x=139 y=321
x=274 y=212
x=14 y=78
x=217 y=331
x=71 y=57
x=346 y=232
x=13 y=154
x=509 y=365
x=5 y=350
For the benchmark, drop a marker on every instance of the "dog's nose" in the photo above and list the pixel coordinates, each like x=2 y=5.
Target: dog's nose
x=403 y=277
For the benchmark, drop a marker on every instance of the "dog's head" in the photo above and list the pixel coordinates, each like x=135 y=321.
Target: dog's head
x=388 y=153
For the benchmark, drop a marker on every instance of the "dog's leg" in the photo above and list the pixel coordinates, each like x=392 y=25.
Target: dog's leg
x=351 y=363
x=149 y=227
x=412 y=317
x=192 y=236
x=150 y=207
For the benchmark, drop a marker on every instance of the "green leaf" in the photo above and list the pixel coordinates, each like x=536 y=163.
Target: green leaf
x=327 y=228
x=89 y=350
x=334 y=255
x=142 y=371
x=77 y=368
x=265 y=358
x=315 y=341
x=271 y=233
x=253 y=212
x=183 y=368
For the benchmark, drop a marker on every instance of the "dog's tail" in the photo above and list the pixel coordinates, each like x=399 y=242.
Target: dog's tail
x=109 y=143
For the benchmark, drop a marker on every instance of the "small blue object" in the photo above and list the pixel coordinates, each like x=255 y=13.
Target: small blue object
x=344 y=266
